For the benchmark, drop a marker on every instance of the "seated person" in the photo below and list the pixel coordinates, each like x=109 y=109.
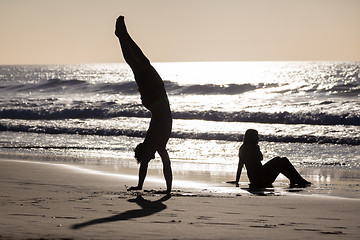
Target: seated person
x=262 y=176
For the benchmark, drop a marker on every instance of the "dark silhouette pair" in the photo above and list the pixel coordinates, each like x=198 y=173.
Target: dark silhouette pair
x=154 y=98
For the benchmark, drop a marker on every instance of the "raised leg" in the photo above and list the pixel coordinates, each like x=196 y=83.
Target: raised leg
x=131 y=51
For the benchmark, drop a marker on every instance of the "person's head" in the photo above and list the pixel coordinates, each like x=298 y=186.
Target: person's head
x=141 y=155
x=251 y=137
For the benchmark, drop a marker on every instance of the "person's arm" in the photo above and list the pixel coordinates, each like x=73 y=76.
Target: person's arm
x=142 y=174
x=239 y=170
x=259 y=154
x=166 y=169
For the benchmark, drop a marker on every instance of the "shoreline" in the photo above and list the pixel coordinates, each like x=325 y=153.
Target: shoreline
x=326 y=181
x=57 y=201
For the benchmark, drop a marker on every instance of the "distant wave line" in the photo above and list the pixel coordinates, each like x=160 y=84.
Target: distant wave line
x=107 y=112
x=74 y=85
x=182 y=135
x=348 y=88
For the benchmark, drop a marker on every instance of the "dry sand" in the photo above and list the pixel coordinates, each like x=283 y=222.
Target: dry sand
x=55 y=201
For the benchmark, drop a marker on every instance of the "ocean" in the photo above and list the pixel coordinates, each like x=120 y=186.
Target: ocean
x=91 y=115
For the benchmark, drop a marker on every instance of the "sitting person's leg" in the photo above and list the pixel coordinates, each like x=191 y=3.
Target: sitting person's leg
x=282 y=165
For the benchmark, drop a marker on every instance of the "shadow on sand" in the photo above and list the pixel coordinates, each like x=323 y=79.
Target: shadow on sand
x=261 y=191
x=147 y=208
x=272 y=191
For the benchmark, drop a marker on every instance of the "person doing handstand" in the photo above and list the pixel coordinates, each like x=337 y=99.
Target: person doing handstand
x=262 y=176
x=154 y=98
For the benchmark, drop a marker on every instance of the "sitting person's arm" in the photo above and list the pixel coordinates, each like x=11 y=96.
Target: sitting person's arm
x=238 y=172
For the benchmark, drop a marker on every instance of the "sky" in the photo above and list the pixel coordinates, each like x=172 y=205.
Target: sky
x=82 y=31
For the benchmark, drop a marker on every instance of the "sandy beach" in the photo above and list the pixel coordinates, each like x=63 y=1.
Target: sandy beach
x=41 y=200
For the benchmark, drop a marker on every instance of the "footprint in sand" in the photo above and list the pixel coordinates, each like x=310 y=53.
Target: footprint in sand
x=263 y=226
x=204 y=218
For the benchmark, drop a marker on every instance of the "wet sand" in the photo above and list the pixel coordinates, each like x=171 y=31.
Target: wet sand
x=57 y=201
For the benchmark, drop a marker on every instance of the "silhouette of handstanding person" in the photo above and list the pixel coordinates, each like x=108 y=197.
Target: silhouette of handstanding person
x=262 y=176
x=154 y=98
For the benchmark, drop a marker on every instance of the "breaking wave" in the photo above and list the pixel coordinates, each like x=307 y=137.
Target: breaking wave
x=112 y=110
x=184 y=135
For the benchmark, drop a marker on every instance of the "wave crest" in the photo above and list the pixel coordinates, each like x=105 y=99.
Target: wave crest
x=183 y=135
x=128 y=87
x=109 y=111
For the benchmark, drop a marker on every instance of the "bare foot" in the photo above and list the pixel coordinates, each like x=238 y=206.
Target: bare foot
x=120 y=25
